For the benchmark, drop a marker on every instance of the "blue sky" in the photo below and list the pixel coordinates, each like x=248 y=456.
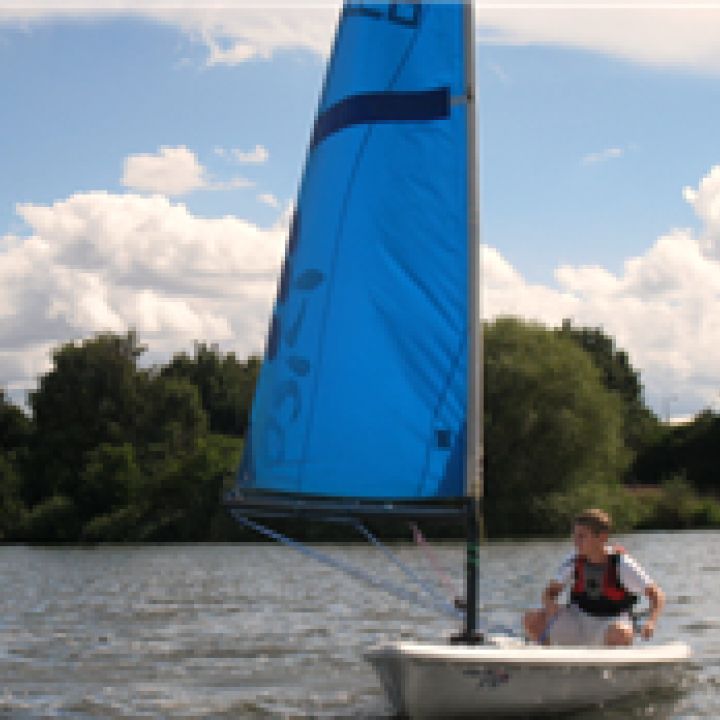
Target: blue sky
x=86 y=95
x=552 y=192
x=149 y=157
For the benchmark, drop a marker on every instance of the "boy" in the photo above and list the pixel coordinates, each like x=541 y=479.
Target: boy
x=604 y=582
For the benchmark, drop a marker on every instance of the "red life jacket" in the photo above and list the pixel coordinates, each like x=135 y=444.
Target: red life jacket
x=613 y=599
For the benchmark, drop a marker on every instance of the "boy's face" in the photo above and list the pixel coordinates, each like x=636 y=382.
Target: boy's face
x=587 y=542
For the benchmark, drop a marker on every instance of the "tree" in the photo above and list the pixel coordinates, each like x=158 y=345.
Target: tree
x=107 y=432
x=12 y=510
x=54 y=519
x=690 y=450
x=173 y=433
x=15 y=426
x=640 y=426
x=184 y=503
x=550 y=424
x=171 y=419
x=226 y=385
x=109 y=480
x=15 y=436
x=90 y=397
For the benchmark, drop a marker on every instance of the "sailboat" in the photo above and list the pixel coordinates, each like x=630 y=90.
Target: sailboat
x=369 y=401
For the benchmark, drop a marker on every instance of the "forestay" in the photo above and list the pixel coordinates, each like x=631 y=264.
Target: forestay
x=363 y=391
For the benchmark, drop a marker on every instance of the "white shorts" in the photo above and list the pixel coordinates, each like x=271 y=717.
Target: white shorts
x=571 y=626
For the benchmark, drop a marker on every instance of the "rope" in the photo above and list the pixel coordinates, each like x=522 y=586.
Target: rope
x=351 y=570
x=432 y=560
x=637 y=617
x=426 y=587
x=545 y=633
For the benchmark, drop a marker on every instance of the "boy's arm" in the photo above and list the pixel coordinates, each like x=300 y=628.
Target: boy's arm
x=550 y=595
x=638 y=581
x=657 y=602
x=557 y=585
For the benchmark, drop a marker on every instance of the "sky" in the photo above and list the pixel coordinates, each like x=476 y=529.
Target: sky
x=150 y=154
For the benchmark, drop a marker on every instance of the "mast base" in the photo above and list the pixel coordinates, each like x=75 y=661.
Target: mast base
x=467 y=638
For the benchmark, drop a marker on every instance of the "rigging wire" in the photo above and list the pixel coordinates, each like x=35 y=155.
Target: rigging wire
x=432 y=560
x=409 y=572
x=354 y=572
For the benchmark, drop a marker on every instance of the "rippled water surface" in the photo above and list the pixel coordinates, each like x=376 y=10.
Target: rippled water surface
x=258 y=631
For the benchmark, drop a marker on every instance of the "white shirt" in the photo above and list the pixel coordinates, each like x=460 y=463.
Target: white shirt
x=631 y=575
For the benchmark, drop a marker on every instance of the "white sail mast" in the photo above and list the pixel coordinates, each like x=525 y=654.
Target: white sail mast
x=474 y=471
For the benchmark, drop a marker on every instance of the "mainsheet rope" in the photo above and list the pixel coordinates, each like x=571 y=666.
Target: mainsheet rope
x=432 y=560
x=398 y=591
x=420 y=582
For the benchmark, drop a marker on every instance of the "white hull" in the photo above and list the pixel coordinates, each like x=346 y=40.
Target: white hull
x=508 y=677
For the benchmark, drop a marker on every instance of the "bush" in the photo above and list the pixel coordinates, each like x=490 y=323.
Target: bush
x=12 y=510
x=110 y=480
x=679 y=506
x=53 y=520
x=627 y=509
x=117 y=526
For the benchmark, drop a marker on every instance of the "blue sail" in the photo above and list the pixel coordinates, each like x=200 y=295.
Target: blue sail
x=363 y=390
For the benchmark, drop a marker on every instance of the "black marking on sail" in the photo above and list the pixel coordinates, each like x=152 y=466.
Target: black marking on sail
x=382 y=107
x=401 y=13
x=443 y=438
x=273 y=341
x=309 y=280
x=287 y=263
x=299 y=365
x=292 y=333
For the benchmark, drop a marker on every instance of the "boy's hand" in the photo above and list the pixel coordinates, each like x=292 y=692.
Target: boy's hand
x=551 y=608
x=549 y=598
x=648 y=629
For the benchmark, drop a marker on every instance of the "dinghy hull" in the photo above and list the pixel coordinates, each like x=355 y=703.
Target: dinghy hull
x=511 y=679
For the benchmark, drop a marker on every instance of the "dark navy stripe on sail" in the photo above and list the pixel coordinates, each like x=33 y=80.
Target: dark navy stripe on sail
x=381 y=107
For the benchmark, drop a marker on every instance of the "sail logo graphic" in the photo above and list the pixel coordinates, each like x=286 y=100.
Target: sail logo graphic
x=285 y=332
x=406 y=14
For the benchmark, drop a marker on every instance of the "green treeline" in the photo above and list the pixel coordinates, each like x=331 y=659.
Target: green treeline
x=114 y=451
x=567 y=427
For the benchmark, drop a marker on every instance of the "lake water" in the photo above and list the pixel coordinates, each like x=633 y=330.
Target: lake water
x=259 y=631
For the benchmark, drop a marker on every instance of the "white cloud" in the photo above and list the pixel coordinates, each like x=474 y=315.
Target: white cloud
x=613 y=153
x=251 y=33
x=499 y=73
x=97 y=262
x=235 y=184
x=661 y=307
x=705 y=200
x=172 y=171
x=233 y=31
x=269 y=200
x=258 y=155
x=646 y=32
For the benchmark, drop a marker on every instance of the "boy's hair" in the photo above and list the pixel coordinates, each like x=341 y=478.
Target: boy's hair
x=594 y=519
